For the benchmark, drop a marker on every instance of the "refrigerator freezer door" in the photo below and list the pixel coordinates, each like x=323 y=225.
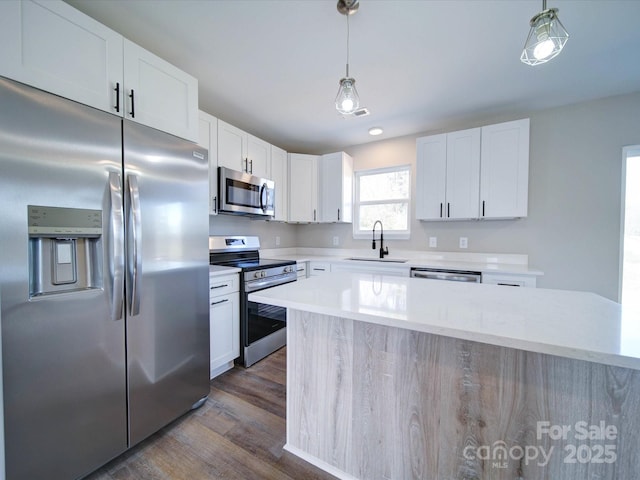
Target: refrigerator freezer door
x=63 y=352
x=167 y=220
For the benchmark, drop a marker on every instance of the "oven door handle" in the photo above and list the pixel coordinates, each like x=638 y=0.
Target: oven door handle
x=256 y=285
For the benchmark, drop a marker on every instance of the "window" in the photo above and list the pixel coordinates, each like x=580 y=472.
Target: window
x=382 y=194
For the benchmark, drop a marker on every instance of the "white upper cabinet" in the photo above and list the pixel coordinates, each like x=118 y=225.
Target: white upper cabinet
x=476 y=173
x=336 y=187
x=463 y=174
x=259 y=154
x=431 y=177
x=158 y=94
x=448 y=173
x=232 y=147
x=504 y=174
x=54 y=47
x=303 y=187
x=208 y=138
x=280 y=175
x=241 y=151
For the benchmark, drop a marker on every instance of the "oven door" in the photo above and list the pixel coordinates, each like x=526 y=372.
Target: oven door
x=243 y=194
x=263 y=320
x=262 y=327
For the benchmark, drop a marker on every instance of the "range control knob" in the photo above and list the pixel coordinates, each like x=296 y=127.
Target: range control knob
x=263 y=274
x=256 y=275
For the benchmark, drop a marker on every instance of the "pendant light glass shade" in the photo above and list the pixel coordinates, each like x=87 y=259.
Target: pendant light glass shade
x=347 y=100
x=546 y=37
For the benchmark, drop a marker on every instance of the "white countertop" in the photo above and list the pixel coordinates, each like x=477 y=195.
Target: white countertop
x=578 y=325
x=217 y=270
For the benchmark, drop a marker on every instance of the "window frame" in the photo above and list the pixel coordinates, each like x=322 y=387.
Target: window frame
x=388 y=234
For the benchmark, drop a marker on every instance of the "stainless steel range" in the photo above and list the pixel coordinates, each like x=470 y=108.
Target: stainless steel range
x=262 y=327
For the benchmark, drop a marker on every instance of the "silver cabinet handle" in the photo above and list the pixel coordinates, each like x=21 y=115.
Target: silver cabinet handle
x=314 y=214
x=251 y=166
x=135 y=228
x=117 y=245
x=220 y=301
x=220 y=286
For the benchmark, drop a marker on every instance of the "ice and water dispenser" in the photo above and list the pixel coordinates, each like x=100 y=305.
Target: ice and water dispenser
x=64 y=250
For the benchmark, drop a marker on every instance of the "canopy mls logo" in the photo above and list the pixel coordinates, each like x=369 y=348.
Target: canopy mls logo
x=592 y=450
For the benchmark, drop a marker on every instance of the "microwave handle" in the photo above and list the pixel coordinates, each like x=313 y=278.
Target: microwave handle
x=263 y=197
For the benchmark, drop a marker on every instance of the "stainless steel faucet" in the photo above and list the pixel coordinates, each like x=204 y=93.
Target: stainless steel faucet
x=383 y=250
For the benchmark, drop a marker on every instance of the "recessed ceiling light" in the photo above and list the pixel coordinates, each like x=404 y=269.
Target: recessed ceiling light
x=375 y=131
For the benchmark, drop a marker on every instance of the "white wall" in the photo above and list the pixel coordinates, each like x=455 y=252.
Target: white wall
x=572 y=231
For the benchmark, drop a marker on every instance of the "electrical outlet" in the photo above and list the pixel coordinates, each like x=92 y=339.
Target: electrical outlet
x=464 y=242
x=433 y=242
x=277 y=241
x=336 y=241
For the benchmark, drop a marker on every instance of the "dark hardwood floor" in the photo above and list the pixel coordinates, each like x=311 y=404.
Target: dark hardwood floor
x=237 y=434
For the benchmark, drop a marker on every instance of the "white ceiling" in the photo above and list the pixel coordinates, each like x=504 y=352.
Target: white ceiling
x=271 y=67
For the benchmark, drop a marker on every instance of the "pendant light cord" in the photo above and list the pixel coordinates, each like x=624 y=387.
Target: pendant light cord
x=347 y=45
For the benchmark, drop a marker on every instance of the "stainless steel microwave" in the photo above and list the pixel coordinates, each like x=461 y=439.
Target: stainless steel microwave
x=244 y=194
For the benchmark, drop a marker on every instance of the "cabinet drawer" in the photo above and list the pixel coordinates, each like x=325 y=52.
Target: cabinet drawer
x=222 y=285
x=319 y=268
x=509 y=280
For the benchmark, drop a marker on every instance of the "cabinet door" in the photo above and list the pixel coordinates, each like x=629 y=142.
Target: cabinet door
x=259 y=155
x=54 y=47
x=463 y=174
x=431 y=174
x=336 y=187
x=303 y=188
x=158 y=94
x=208 y=138
x=280 y=175
x=504 y=177
x=232 y=147
x=224 y=329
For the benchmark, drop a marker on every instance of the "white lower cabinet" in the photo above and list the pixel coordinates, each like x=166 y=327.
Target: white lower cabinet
x=224 y=322
x=510 y=280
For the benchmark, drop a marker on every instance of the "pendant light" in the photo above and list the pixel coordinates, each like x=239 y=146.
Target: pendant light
x=546 y=37
x=347 y=100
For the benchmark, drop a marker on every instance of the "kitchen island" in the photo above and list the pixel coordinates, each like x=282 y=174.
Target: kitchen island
x=402 y=378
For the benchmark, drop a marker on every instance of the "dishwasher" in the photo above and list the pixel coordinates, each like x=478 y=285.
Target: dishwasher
x=448 y=275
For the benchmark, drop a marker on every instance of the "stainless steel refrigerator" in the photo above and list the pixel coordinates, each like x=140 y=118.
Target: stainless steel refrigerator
x=103 y=281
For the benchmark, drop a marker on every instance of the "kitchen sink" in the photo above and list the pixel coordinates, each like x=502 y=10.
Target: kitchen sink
x=385 y=260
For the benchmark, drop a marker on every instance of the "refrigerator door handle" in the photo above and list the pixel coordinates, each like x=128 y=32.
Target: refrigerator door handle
x=135 y=265
x=117 y=261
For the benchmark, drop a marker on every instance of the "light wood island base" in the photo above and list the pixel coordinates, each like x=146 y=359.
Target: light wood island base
x=368 y=401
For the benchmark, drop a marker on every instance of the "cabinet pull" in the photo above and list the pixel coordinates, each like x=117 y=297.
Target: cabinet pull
x=215 y=204
x=314 y=214
x=220 y=286
x=440 y=209
x=220 y=301
x=483 y=208
x=448 y=209
x=117 y=90
x=251 y=166
x=338 y=214
x=133 y=107
x=246 y=165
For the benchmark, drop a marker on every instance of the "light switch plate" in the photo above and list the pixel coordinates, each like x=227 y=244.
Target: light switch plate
x=433 y=242
x=464 y=242
x=336 y=241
